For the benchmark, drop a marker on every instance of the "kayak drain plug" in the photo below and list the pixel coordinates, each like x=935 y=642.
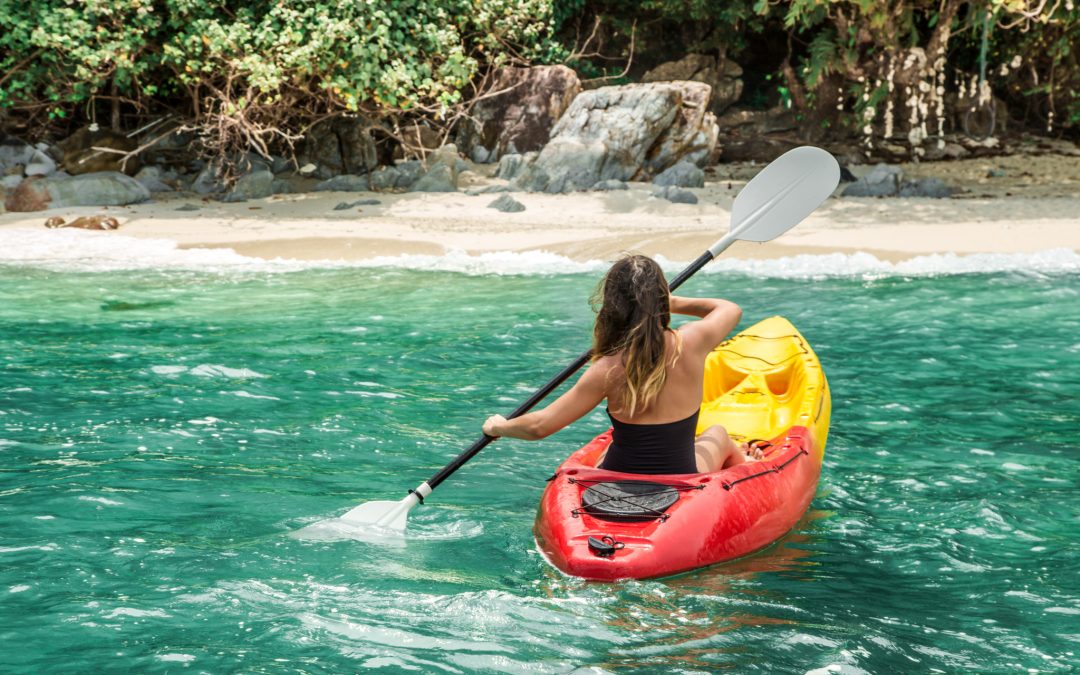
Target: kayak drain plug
x=605 y=546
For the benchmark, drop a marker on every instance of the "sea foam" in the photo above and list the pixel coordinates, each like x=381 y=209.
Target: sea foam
x=79 y=251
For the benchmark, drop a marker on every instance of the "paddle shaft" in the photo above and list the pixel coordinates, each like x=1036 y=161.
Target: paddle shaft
x=543 y=392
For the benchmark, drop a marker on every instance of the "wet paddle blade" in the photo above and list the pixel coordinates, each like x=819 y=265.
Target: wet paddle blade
x=784 y=193
x=381 y=522
x=387 y=515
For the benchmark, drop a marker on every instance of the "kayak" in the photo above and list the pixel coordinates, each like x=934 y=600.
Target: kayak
x=765 y=383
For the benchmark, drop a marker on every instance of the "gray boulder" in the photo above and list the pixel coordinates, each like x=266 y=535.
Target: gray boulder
x=344 y=206
x=408 y=173
x=439 y=178
x=610 y=185
x=384 y=178
x=882 y=181
x=630 y=132
x=344 y=183
x=209 y=180
x=490 y=189
x=519 y=118
x=683 y=174
x=507 y=204
x=676 y=195
x=14 y=152
x=933 y=188
x=254 y=185
x=442 y=172
x=151 y=178
x=723 y=76
x=280 y=186
x=279 y=164
x=40 y=164
x=103 y=188
x=511 y=165
x=10 y=182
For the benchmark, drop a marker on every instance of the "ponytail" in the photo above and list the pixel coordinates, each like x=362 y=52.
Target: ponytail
x=633 y=317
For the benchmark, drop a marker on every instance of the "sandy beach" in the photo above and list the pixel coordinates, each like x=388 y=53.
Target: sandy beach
x=1031 y=204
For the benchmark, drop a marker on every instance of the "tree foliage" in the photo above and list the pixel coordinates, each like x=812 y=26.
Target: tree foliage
x=245 y=72
x=845 y=60
x=252 y=74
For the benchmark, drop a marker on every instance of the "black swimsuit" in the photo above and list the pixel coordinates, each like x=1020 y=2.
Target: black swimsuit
x=652 y=448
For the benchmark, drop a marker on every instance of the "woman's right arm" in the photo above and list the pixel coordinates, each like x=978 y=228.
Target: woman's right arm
x=718 y=318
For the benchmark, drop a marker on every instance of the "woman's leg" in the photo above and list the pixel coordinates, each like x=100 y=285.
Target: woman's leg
x=715 y=450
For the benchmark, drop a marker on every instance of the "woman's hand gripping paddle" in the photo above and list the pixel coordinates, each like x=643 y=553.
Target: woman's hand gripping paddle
x=778 y=198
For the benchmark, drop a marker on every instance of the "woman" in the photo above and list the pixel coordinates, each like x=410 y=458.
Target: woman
x=651 y=375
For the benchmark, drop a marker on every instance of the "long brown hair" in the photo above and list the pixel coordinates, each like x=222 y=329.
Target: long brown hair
x=633 y=313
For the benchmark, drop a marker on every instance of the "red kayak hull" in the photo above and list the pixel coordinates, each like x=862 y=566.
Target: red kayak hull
x=719 y=516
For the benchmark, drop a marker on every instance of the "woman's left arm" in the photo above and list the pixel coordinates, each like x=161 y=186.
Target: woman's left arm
x=585 y=395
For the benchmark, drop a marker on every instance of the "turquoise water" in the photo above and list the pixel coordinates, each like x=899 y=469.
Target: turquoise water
x=161 y=433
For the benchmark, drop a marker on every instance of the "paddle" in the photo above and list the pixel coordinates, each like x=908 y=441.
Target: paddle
x=777 y=199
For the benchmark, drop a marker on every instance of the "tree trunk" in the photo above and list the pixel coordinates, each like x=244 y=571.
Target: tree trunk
x=114 y=120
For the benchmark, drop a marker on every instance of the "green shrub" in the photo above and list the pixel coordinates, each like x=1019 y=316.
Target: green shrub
x=245 y=73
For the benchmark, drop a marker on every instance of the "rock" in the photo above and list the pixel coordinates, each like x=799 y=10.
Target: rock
x=507 y=204
x=85 y=223
x=280 y=164
x=683 y=174
x=79 y=156
x=188 y=207
x=209 y=180
x=490 y=189
x=151 y=178
x=442 y=173
x=345 y=183
x=40 y=164
x=610 y=184
x=676 y=195
x=14 y=152
x=933 y=188
x=10 y=182
x=439 y=178
x=629 y=132
x=510 y=165
x=342 y=145
x=519 y=119
x=384 y=178
x=252 y=161
x=307 y=169
x=996 y=173
x=343 y=206
x=280 y=186
x=882 y=181
x=105 y=188
x=254 y=185
x=723 y=76
x=481 y=155
x=417 y=140
x=408 y=173
x=846 y=176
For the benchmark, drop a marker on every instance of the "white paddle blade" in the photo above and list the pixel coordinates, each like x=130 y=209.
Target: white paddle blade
x=783 y=193
x=386 y=515
x=373 y=522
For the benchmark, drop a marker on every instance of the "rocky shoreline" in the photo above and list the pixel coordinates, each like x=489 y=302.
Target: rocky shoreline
x=543 y=132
